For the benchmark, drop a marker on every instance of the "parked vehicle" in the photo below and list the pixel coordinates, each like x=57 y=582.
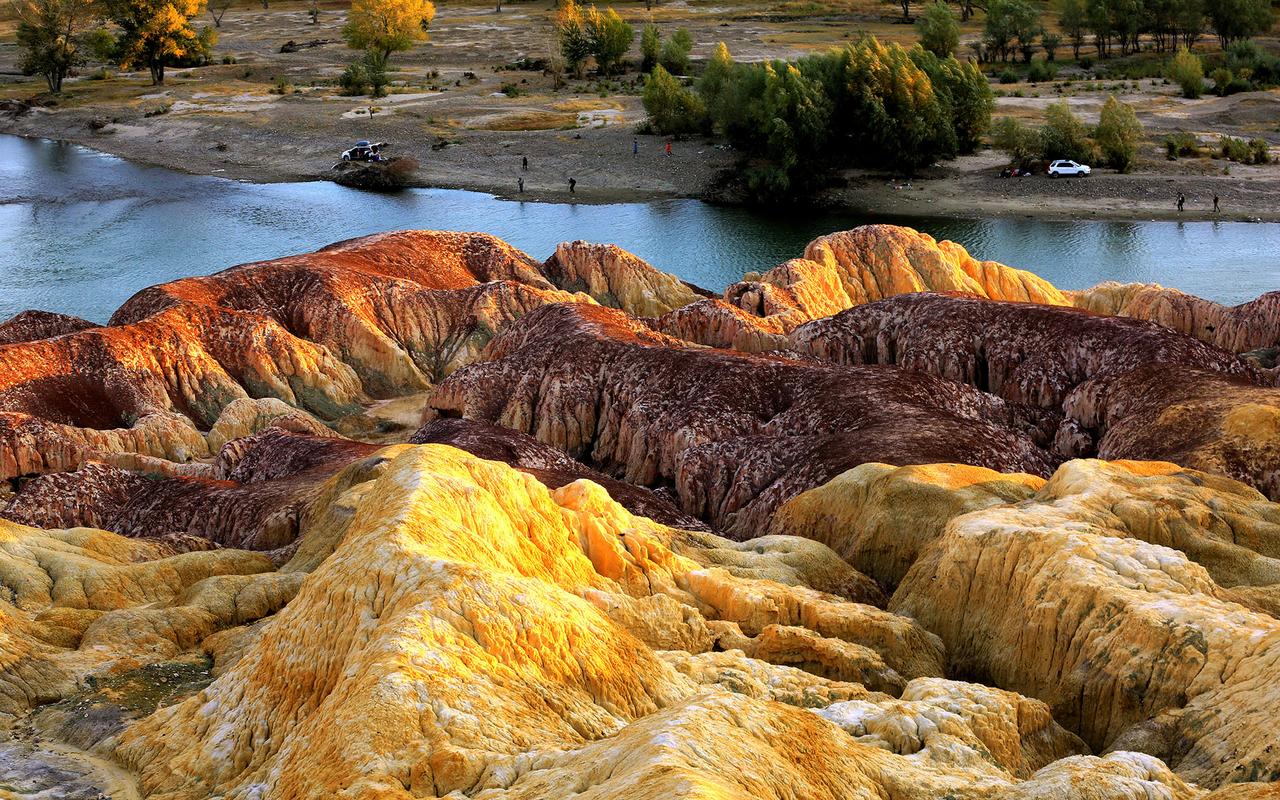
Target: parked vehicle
x=365 y=151
x=1064 y=168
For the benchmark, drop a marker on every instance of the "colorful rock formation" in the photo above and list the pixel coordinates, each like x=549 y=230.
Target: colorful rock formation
x=417 y=516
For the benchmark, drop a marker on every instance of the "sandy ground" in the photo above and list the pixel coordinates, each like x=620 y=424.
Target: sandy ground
x=447 y=112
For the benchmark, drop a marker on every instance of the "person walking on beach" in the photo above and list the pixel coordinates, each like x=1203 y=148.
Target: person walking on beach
x=1215 y=202
x=635 y=147
x=524 y=163
x=572 y=183
x=1181 y=200
x=522 y=184
x=668 y=148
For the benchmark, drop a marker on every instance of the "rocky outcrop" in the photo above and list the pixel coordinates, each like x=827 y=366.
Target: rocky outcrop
x=414 y=663
x=1249 y=326
x=1025 y=353
x=615 y=278
x=734 y=436
x=31 y=325
x=549 y=465
x=1194 y=417
x=1077 y=597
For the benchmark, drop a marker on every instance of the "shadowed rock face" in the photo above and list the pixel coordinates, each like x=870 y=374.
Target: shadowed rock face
x=732 y=435
x=1025 y=353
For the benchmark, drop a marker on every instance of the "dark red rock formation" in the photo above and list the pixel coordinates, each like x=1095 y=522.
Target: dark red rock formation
x=549 y=465
x=733 y=435
x=265 y=482
x=1023 y=352
x=1192 y=417
x=31 y=325
x=1249 y=326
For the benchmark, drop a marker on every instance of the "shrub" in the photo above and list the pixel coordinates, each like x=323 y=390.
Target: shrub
x=675 y=52
x=1186 y=70
x=1118 y=134
x=1008 y=76
x=1181 y=144
x=1021 y=142
x=1041 y=71
x=1220 y=77
x=1254 y=151
x=673 y=108
x=1259 y=152
x=511 y=90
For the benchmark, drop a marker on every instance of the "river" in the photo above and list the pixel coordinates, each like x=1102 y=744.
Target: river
x=81 y=231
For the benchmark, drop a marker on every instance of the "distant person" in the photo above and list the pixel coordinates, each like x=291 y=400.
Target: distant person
x=635 y=147
x=524 y=163
x=1181 y=201
x=572 y=184
x=1215 y=203
x=521 y=185
x=668 y=148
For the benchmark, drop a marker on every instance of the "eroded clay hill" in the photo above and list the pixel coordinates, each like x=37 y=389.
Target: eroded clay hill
x=418 y=516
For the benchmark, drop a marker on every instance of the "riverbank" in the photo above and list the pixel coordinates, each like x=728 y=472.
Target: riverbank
x=291 y=142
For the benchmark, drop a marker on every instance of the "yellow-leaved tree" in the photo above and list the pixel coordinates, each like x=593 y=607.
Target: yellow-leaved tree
x=383 y=27
x=156 y=33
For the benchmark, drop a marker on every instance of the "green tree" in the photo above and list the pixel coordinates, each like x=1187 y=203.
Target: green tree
x=675 y=53
x=1234 y=20
x=672 y=108
x=156 y=33
x=727 y=89
x=1098 y=13
x=1063 y=135
x=965 y=95
x=1186 y=70
x=383 y=27
x=1118 y=134
x=1050 y=42
x=571 y=32
x=1074 y=23
x=48 y=38
x=939 y=31
x=1010 y=24
x=610 y=37
x=650 y=47
x=1020 y=141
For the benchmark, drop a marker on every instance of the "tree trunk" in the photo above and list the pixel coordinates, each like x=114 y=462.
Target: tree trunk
x=157 y=74
x=906 y=9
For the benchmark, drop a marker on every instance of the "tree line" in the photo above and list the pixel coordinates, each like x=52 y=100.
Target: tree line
x=867 y=104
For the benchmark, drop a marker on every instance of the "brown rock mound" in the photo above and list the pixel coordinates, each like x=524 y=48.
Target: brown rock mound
x=31 y=325
x=1249 y=326
x=732 y=435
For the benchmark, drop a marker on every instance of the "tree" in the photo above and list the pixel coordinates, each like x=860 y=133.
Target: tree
x=571 y=31
x=383 y=27
x=1186 y=70
x=218 y=9
x=1011 y=22
x=906 y=8
x=1074 y=22
x=49 y=34
x=1063 y=134
x=675 y=53
x=609 y=37
x=964 y=93
x=650 y=47
x=156 y=33
x=1118 y=134
x=1099 y=15
x=939 y=31
x=1021 y=142
x=1050 y=42
x=672 y=108
x=1234 y=20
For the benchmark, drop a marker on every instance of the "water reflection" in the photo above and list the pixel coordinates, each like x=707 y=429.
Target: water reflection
x=81 y=231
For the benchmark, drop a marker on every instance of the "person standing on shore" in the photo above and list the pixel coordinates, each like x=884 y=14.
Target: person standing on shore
x=1215 y=202
x=668 y=147
x=635 y=147
x=521 y=184
x=1181 y=200
x=572 y=183
x=524 y=163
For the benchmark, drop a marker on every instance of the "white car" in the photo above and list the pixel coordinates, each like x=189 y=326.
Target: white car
x=1064 y=168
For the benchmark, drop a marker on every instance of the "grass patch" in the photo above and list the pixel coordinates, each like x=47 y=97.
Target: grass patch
x=532 y=121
